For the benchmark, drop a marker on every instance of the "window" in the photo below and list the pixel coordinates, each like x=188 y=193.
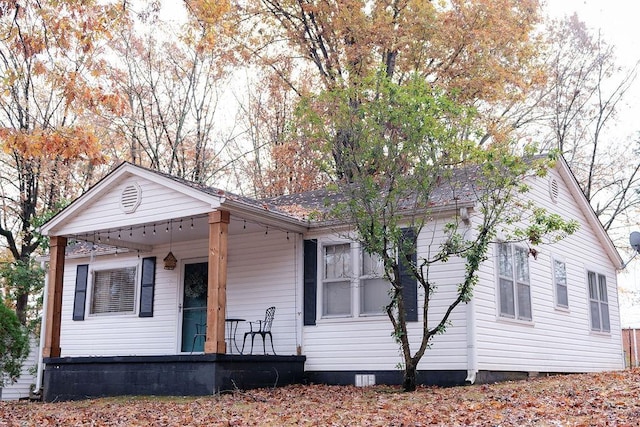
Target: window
x=374 y=288
x=353 y=282
x=514 y=286
x=113 y=291
x=336 y=280
x=598 y=302
x=560 y=281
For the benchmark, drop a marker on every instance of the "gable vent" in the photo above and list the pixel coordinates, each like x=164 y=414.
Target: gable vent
x=130 y=198
x=554 y=190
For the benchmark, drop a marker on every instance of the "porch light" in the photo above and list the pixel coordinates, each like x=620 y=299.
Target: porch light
x=170 y=261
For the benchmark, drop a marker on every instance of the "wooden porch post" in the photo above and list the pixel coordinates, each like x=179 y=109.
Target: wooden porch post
x=54 y=296
x=217 y=291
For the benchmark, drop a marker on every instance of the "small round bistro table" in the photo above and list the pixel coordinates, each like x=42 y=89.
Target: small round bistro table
x=232 y=327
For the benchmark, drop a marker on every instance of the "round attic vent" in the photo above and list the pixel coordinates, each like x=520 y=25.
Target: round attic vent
x=130 y=198
x=554 y=190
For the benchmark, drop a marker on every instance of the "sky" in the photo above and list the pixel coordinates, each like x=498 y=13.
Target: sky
x=617 y=20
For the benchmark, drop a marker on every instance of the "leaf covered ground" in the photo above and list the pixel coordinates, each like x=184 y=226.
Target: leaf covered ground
x=607 y=399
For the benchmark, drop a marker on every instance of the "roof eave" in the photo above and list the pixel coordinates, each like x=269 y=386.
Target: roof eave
x=592 y=218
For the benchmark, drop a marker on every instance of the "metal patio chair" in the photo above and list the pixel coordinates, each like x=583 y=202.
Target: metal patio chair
x=262 y=328
x=201 y=331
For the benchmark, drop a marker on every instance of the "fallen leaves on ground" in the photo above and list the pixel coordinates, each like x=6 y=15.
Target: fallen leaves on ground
x=604 y=399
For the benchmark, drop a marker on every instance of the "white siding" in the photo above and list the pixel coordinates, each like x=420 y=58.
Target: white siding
x=261 y=273
x=557 y=340
x=158 y=203
x=20 y=389
x=365 y=343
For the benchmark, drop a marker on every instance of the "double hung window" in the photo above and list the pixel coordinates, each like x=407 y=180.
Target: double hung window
x=598 y=302
x=514 y=283
x=113 y=291
x=353 y=282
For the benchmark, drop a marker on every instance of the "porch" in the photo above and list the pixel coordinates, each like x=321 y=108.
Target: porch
x=72 y=378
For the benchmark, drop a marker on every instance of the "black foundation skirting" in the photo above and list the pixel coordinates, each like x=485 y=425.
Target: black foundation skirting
x=72 y=378
x=439 y=378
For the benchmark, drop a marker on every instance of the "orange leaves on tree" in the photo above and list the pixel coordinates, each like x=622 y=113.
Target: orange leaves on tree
x=209 y=15
x=70 y=143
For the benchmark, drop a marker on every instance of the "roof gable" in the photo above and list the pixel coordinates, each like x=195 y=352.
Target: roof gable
x=127 y=196
x=590 y=216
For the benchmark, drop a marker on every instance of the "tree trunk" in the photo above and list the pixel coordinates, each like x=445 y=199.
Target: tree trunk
x=409 y=382
x=22 y=300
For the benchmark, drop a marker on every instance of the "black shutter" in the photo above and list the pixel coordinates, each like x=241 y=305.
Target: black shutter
x=147 y=287
x=407 y=279
x=310 y=281
x=82 y=274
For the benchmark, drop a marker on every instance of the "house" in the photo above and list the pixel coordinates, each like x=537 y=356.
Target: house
x=22 y=387
x=167 y=261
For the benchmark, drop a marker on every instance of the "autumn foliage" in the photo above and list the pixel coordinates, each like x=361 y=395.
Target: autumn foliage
x=606 y=399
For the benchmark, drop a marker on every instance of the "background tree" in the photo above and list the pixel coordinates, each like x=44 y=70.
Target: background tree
x=409 y=145
x=479 y=51
x=14 y=345
x=278 y=160
x=172 y=122
x=51 y=67
x=578 y=114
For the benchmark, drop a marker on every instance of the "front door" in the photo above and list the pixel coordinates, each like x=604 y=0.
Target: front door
x=194 y=306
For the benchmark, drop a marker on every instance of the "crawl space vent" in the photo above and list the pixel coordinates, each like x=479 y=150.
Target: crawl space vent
x=553 y=190
x=130 y=198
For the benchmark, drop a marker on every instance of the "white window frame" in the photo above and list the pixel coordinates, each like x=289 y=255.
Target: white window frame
x=599 y=301
x=516 y=284
x=355 y=278
x=108 y=267
x=556 y=285
x=324 y=280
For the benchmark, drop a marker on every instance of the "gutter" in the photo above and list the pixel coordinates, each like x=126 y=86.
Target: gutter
x=472 y=349
x=461 y=209
x=261 y=214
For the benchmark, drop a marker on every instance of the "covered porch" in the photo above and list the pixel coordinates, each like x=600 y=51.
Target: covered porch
x=197 y=258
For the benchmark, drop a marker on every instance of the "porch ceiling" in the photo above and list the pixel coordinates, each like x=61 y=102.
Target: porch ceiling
x=145 y=236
